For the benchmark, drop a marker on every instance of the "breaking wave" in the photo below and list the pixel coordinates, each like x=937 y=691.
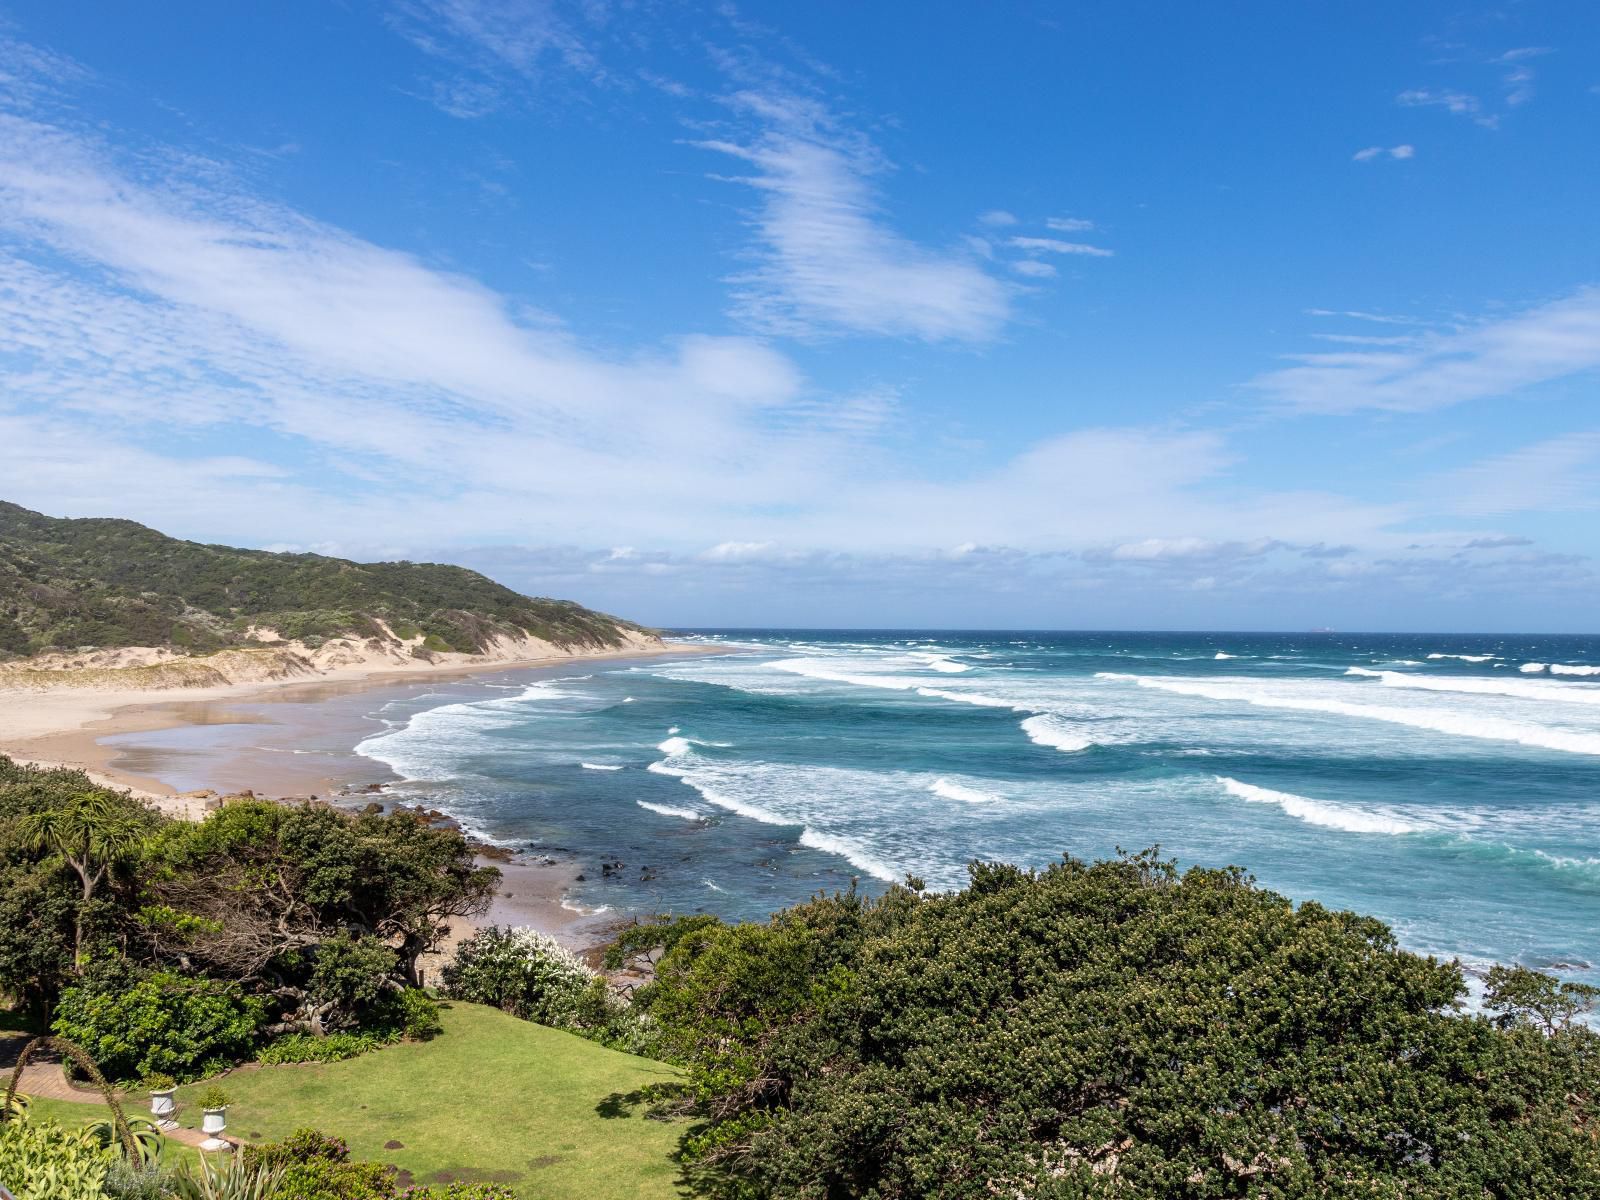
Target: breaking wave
x=1326 y=813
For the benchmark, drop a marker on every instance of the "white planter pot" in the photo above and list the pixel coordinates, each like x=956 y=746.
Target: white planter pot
x=214 y=1123
x=162 y=1106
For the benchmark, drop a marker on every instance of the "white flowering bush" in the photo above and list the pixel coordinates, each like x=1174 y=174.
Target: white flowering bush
x=521 y=971
x=531 y=975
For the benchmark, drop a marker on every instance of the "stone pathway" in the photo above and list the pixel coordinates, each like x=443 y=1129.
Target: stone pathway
x=44 y=1077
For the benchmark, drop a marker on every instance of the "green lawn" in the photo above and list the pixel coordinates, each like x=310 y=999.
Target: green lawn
x=492 y=1098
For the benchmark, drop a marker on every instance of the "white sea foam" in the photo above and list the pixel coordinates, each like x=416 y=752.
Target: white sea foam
x=978 y=698
x=951 y=790
x=675 y=746
x=1531 y=668
x=668 y=810
x=1049 y=730
x=1365 y=672
x=1219 y=656
x=851 y=853
x=1564 y=669
x=673 y=729
x=1456 y=724
x=1521 y=689
x=1318 y=812
x=589 y=766
x=714 y=887
x=1472 y=658
x=941 y=662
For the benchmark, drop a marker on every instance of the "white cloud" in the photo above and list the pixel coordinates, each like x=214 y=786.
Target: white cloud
x=1372 y=152
x=828 y=261
x=997 y=217
x=1436 y=369
x=1068 y=224
x=1034 y=269
x=1459 y=103
x=1056 y=246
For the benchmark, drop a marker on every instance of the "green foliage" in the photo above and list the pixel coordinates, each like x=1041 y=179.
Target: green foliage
x=1524 y=997
x=351 y=972
x=304 y=1145
x=321 y=1179
x=134 y=1023
x=159 y=1081
x=458 y=1191
x=335 y=908
x=214 y=1097
x=308 y=1047
x=96 y=582
x=1112 y=1029
x=43 y=1160
x=418 y=1015
x=641 y=945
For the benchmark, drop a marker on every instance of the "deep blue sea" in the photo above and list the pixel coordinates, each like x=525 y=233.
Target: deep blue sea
x=1447 y=784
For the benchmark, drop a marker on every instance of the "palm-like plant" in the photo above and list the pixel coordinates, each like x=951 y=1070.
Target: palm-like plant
x=92 y=832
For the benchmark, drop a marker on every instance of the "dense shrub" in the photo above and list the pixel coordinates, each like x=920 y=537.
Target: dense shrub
x=458 y=1191
x=1113 y=1029
x=418 y=1015
x=302 y=1146
x=134 y=1023
x=42 y=1160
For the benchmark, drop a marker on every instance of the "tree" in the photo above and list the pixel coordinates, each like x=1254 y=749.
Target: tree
x=1108 y=1029
x=292 y=899
x=92 y=832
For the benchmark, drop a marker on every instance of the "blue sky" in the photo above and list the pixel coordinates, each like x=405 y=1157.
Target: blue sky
x=1272 y=316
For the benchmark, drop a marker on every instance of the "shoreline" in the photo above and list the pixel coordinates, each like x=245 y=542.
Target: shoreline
x=69 y=727
x=78 y=728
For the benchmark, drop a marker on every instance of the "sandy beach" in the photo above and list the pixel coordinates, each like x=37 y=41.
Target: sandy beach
x=284 y=740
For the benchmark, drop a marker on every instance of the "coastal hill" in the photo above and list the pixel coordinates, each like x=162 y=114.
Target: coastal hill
x=96 y=595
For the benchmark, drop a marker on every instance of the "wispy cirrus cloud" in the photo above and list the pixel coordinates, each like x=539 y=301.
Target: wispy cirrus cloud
x=1560 y=474
x=490 y=50
x=1434 y=369
x=827 y=258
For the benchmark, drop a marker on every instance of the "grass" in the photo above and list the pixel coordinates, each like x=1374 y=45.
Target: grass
x=492 y=1099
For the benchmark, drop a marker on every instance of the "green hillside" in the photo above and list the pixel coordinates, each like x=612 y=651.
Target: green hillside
x=67 y=584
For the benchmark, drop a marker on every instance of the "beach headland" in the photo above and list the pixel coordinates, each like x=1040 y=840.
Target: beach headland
x=288 y=739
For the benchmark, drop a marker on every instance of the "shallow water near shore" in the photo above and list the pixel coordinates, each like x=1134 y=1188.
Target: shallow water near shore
x=1447 y=784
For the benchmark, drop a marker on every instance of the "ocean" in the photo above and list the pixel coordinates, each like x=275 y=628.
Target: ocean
x=1449 y=785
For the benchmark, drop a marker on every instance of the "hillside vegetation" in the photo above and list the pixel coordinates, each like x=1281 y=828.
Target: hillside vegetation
x=68 y=584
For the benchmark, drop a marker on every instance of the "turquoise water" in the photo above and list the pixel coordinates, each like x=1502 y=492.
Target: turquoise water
x=1447 y=784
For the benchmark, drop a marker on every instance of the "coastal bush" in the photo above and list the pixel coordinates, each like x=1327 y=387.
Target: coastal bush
x=1114 y=1029
x=135 y=1023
